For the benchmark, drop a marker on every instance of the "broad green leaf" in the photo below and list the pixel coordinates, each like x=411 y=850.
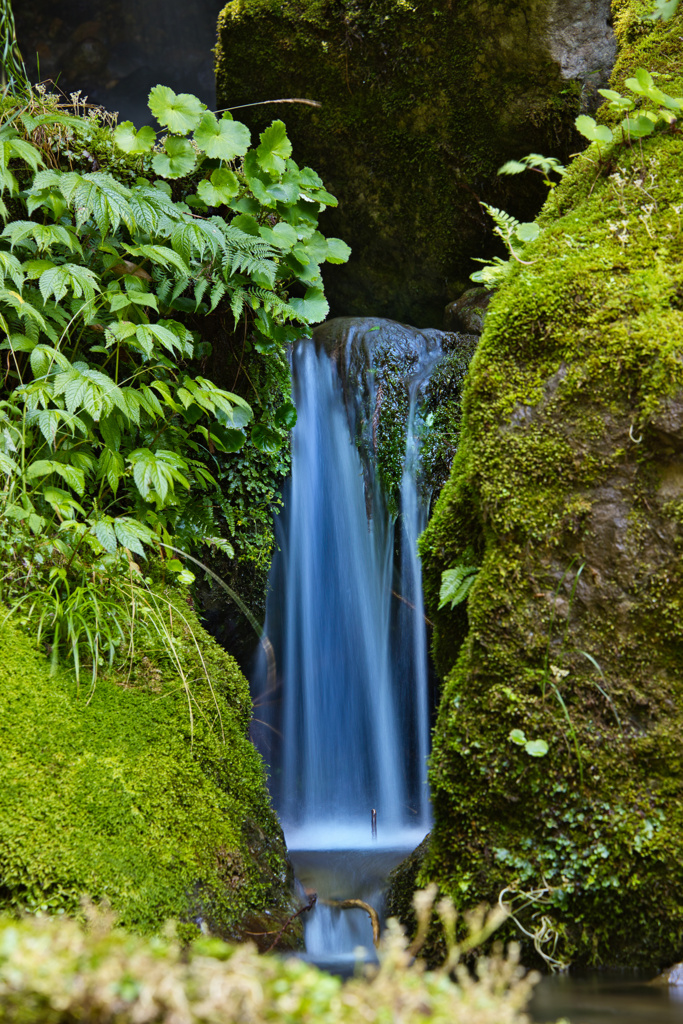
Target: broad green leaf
x=313 y=308
x=104 y=531
x=274 y=149
x=592 y=131
x=536 y=748
x=285 y=416
x=134 y=142
x=177 y=160
x=220 y=189
x=265 y=439
x=180 y=113
x=517 y=736
x=231 y=439
x=528 y=231
x=638 y=127
x=337 y=251
x=222 y=140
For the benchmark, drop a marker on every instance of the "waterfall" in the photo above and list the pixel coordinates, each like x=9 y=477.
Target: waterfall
x=344 y=711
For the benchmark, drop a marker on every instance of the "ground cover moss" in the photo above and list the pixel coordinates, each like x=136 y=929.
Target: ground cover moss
x=124 y=798
x=568 y=487
x=421 y=104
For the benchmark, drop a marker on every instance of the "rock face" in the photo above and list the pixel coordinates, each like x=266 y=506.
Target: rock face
x=567 y=489
x=581 y=39
x=421 y=103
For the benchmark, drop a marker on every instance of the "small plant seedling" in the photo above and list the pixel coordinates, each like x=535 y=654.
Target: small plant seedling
x=534 y=748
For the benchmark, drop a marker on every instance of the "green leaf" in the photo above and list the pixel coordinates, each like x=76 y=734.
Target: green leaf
x=221 y=188
x=133 y=142
x=536 y=748
x=274 y=149
x=517 y=736
x=638 y=127
x=664 y=9
x=266 y=440
x=104 y=532
x=512 y=167
x=455 y=585
x=178 y=159
x=180 y=113
x=592 y=131
x=337 y=251
x=224 y=139
x=313 y=308
x=528 y=231
x=285 y=416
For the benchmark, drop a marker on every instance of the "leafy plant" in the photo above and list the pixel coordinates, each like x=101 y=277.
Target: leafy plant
x=535 y=748
x=515 y=236
x=456 y=584
x=635 y=124
x=110 y=438
x=664 y=10
x=543 y=165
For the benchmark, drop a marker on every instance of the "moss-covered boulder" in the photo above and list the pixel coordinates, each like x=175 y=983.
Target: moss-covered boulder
x=568 y=490
x=421 y=103
x=146 y=794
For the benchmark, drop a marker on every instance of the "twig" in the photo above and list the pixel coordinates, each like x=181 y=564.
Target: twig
x=309 y=906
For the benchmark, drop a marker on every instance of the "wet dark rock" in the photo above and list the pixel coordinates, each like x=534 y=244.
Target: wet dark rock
x=468 y=313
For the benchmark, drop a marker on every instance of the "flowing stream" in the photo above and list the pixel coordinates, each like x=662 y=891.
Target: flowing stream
x=345 y=711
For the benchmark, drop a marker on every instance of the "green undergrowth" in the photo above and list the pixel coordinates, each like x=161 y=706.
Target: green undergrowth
x=144 y=792
x=56 y=973
x=567 y=490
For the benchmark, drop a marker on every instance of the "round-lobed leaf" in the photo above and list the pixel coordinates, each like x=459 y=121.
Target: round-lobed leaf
x=179 y=112
x=220 y=189
x=222 y=140
x=133 y=142
x=177 y=160
x=536 y=748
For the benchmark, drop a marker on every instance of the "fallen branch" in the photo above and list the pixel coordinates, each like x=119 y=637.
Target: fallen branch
x=359 y=905
x=302 y=910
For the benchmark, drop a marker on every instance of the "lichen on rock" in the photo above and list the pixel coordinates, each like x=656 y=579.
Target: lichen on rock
x=568 y=487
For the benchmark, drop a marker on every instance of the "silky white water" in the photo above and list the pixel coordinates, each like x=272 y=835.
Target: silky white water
x=344 y=710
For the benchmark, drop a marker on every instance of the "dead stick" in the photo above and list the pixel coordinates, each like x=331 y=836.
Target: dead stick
x=309 y=906
x=358 y=905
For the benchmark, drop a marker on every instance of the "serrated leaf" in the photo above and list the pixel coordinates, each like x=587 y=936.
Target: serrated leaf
x=220 y=189
x=274 y=149
x=177 y=160
x=179 y=112
x=134 y=142
x=224 y=139
x=104 y=531
x=313 y=308
x=528 y=231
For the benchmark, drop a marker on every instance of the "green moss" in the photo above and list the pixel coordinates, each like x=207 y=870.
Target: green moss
x=567 y=482
x=421 y=103
x=148 y=795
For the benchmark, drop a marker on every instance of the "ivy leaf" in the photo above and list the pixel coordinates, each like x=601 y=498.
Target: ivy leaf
x=224 y=139
x=220 y=189
x=313 y=308
x=132 y=142
x=180 y=113
x=275 y=148
x=178 y=159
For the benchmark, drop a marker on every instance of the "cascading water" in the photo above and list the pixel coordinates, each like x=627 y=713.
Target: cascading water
x=345 y=709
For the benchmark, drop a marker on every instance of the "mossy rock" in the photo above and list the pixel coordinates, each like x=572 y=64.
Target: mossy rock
x=145 y=793
x=568 y=487
x=421 y=103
